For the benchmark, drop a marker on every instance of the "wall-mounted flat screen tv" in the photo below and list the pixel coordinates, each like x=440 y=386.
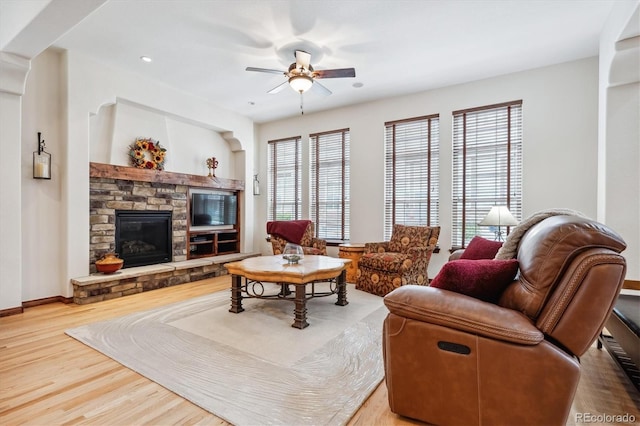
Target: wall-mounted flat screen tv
x=213 y=209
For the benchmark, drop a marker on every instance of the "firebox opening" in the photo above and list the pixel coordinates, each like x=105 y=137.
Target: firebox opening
x=143 y=237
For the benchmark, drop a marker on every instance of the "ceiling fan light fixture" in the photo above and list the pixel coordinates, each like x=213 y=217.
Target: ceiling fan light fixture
x=300 y=83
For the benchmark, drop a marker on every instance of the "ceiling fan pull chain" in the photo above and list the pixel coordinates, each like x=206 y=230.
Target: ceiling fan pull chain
x=301 y=109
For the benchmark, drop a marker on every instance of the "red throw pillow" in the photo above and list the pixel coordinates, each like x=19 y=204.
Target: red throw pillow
x=483 y=279
x=481 y=248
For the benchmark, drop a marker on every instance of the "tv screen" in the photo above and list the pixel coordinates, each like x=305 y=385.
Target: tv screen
x=213 y=209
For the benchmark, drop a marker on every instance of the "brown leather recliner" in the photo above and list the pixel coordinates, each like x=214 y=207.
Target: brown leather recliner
x=451 y=359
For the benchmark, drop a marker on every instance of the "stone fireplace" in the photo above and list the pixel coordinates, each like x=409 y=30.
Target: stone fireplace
x=143 y=237
x=109 y=196
x=119 y=189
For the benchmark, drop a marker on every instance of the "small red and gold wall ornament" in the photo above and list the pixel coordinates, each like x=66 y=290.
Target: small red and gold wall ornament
x=212 y=165
x=147 y=153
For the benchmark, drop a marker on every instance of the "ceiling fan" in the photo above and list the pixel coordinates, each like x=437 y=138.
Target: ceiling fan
x=301 y=75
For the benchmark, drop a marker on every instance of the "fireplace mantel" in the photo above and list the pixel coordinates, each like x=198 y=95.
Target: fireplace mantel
x=111 y=171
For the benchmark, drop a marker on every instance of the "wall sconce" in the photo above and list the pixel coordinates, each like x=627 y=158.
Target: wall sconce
x=41 y=161
x=256 y=185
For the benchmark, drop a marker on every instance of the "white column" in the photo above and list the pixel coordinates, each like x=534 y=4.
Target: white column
x=34 y=28
x=13 y=74
x=619 y=130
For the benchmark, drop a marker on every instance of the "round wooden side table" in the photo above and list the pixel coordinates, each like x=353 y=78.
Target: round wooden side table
x=351 y=251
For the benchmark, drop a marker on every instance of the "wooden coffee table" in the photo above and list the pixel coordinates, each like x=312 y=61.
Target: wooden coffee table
x=275 y=269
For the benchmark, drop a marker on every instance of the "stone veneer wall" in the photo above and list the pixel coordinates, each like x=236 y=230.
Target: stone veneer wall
x=108 y=195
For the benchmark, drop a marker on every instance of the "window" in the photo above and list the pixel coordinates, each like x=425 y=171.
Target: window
x=411 y=172
x=284 y=180
x=487 y=167
x=330 y=184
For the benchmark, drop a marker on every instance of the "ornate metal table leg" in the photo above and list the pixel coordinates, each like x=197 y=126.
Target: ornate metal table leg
x=284 y=289
x=300 y=311
x=342 y=289
x=236 y=294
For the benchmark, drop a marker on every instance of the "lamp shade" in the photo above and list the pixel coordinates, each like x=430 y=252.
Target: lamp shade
x=499 y=216
x=300 y=83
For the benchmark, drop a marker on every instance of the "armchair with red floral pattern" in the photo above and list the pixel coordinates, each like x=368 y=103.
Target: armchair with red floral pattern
x=404 y=259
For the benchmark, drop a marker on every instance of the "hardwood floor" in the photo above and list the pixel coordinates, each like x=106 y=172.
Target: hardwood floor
x=48 y=378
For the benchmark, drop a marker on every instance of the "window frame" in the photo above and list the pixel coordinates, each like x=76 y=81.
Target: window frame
x=275 y=207
x=469 y=145
x=321 y=143
x=393 y=173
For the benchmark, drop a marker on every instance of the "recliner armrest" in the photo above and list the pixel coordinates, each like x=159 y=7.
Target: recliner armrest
x=464 y=313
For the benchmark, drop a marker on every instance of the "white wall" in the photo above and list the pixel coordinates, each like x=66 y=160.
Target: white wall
x=115 y=127
x=41 y=213
x=560 y=111
x=194 y=144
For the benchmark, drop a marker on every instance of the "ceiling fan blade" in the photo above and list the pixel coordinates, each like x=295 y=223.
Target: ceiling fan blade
x=278 y=88
x=265 y=70
x=303 y=59
x=337 y=73
x=317 y=87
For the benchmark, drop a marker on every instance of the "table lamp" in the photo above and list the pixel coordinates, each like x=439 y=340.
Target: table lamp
x=499 y=216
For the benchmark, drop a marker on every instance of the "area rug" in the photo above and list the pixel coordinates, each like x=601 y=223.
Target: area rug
x=253 y=368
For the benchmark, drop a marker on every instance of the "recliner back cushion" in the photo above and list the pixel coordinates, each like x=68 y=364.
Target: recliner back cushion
x=544 y=253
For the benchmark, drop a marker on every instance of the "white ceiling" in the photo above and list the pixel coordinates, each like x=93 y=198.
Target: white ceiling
x=397 y=47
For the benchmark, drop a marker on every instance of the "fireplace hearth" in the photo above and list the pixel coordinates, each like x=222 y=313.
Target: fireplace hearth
x=143 y=237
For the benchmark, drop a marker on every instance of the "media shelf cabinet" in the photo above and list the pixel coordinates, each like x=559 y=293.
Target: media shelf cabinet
x=212 y=243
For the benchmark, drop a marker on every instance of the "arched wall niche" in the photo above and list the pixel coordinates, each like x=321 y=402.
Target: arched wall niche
x=116 y=123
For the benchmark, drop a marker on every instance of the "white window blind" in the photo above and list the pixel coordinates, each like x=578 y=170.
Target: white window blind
x=487 y=167
x=330 y=184
x=284 y=179
x=411 y=172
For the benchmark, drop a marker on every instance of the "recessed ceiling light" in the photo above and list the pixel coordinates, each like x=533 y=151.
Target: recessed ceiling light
x=145 y=59
x=357 y=85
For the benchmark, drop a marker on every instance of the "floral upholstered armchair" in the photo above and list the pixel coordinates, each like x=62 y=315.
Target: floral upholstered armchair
x=404 y=259
x=299 y=232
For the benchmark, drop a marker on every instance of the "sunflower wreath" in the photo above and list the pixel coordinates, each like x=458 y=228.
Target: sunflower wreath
x=147 y=153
